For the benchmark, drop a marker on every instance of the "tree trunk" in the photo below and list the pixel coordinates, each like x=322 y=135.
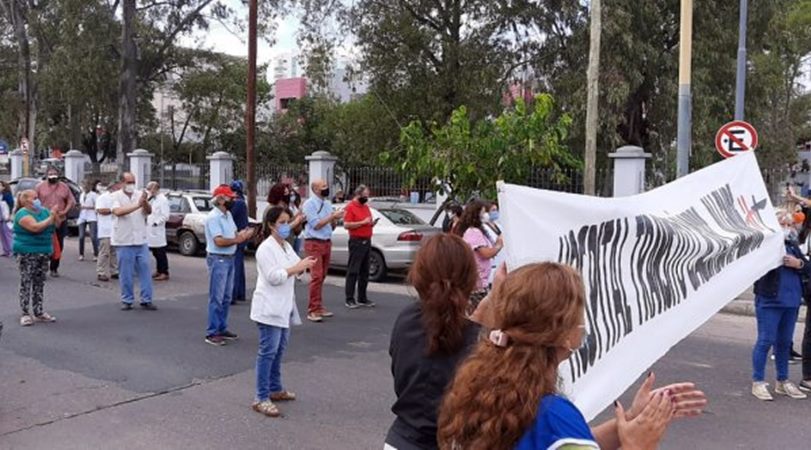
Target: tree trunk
x=24 y=73
x=127 y=85
x=592 y=117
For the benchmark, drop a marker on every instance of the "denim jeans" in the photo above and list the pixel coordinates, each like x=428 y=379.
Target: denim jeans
x=272 y=344
x=132 y=258
x=775 y=328
x=220 y=290
x=239 y=273
x=94 y=239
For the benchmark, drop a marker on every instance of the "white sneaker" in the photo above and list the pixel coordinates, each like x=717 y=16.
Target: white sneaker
x=760 y=389
x=790 y=389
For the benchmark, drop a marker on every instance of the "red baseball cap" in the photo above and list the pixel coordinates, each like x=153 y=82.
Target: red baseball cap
x=223 y=190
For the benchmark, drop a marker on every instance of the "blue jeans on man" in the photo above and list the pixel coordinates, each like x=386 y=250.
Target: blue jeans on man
x=272 y=344
x=775 y=326
x=132 y=258
x=239 y=274
x=220 y=291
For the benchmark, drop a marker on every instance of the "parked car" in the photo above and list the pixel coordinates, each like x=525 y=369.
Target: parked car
x=396 y=239
x=186 y=227
x=26 y=183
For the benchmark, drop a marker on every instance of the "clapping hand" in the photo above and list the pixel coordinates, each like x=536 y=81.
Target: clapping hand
x=688 y=401
x=245 y=234
x=305 y=264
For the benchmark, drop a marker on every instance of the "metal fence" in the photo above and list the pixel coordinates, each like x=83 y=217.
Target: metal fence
x=181 y=176
x=384 y=182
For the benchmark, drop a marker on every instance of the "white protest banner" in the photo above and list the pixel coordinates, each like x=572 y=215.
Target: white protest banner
x=656 y=266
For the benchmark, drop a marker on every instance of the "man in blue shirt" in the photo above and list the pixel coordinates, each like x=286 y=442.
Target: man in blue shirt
x=239 y=211
x=321 y=219
x=222 y=240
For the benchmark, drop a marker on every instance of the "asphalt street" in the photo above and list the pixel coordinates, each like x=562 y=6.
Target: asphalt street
x=105 y=378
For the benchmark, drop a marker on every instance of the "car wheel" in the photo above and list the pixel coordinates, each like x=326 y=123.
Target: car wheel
x=377 y=267
x=188 y=244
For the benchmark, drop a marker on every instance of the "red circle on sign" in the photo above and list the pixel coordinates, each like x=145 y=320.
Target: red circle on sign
x=726 y=131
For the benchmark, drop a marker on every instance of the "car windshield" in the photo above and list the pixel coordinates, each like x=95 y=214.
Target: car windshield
x=202 y=203
x=401 y=217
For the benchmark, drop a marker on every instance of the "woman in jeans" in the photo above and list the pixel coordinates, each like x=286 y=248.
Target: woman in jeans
x=274 y=307
x=33 y=230
x=777 y=302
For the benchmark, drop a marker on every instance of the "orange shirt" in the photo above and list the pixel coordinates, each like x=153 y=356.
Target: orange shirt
x=355 y=212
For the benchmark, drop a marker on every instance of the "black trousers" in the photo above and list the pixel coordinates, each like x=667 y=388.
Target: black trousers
x=358 y=271
x=161 y=260
x=61 y=232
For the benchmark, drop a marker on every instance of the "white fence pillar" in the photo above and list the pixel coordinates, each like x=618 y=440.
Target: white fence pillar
x=322 y=167
x=74 y=166
x=221 y=169
x=16 y=160
x=629 y=170
x=141 y=167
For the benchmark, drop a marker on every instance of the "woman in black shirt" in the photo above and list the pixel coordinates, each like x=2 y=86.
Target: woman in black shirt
x=430 y=338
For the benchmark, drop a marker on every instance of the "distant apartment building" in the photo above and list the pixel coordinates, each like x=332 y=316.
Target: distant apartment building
x=288 y=90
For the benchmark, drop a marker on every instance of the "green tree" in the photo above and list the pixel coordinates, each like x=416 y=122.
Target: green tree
x=467 y=157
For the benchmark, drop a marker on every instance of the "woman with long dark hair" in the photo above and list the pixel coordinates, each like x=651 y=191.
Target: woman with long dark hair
x=471 y=229
x=505 y=395
x=430 y=337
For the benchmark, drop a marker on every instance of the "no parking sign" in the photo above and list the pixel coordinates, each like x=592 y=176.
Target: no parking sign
x=735 y=138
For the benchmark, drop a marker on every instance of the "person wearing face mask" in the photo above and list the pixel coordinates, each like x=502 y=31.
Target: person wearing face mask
x=107 y=264
x=130 y=210
x=472 y=229
x=493 y=231
x=273 y=307
x=89 y=218
x=222 y=239
x=320 y=219
x=360 y=224
x=281 y=194
x=33 y=227
x=510 y=381
x=778 y=295
x=239 y=211
x=156 y=223
x=56 y=197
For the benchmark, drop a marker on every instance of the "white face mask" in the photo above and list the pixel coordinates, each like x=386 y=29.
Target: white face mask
x=129 y=188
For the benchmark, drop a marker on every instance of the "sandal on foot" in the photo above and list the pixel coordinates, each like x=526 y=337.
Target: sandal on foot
x=267 y=408
x=45 y=317
x=26 y=320
x=283 y=396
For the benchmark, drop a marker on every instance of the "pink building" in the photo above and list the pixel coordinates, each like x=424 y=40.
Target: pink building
x=516 y=91
x=288 y=89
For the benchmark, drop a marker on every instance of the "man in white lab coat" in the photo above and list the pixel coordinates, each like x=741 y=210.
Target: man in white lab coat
x=156 y=223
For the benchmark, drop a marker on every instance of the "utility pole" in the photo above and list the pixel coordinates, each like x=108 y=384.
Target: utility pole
x=592 y=117
x=250 y=113
x=684 y=133
x=740 y=79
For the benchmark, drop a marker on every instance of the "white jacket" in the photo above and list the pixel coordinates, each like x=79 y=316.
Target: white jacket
x=274 y=300
x=156 y=222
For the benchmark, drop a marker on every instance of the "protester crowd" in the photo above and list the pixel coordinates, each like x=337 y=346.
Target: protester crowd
x=474 y=359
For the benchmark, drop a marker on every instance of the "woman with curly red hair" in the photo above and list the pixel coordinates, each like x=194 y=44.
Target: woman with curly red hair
x=506 y=395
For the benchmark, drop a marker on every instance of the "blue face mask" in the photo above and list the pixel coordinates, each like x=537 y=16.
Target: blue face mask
x=37 y=204
x=283 y=230
x=494 y=216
